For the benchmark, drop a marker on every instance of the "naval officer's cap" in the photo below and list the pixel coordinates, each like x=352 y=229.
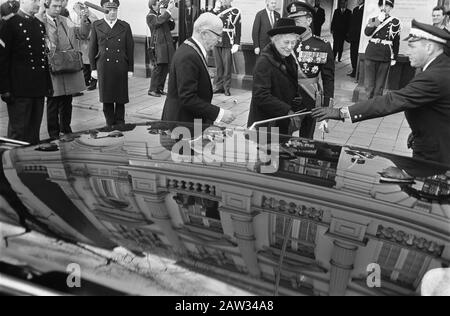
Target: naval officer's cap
x=110 y=4
x=421 y=31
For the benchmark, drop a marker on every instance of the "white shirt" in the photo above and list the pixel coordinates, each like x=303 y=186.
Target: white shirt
x=429 y=63
x=111 y=24
x=205 y=54
x=271 y=16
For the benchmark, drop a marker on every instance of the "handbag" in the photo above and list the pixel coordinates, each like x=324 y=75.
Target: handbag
x=67 y=61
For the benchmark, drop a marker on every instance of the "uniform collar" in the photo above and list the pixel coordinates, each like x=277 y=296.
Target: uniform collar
x=111 y=25
x=25 y=15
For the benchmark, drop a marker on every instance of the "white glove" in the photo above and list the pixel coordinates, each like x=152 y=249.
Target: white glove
x=257 y=51
x=382 y=17
x=393 y=62
x=94 y=74
x=323 y=127
x=130 y=74
x=235 y=48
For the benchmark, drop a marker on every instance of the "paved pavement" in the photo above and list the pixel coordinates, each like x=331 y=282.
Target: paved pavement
x=388 y=134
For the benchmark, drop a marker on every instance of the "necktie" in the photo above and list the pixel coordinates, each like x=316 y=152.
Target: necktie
x=271 y=18
x=56 y=24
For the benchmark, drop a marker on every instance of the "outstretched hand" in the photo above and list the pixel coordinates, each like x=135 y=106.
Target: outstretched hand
x=322 y=114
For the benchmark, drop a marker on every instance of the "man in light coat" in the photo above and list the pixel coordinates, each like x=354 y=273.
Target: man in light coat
x=61 y=36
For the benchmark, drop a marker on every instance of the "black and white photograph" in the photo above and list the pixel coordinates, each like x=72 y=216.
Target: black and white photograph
x=225 y=155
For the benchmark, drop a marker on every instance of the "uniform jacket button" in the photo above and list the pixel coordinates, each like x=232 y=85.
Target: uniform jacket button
x=107 y=59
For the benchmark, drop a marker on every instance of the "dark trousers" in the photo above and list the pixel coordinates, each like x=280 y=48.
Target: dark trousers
x=338 y=46
x=159 y=75
x=376 y=74
x=354 y=53
x=224 y=64
x=114 y=113
x=25 y=118
x=59 y=115
x=87 y=74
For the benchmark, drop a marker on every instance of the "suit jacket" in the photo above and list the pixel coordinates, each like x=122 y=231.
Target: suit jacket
x=162 y=41
x=24 y=67
x=341 y=22
x=319 y=20
x=190 y=90
x=274 y=88
x=426 y=102
x=261 y=26
x=111 y=53
x=354 y=34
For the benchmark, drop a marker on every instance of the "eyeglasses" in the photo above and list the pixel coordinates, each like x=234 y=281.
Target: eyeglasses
x=215 y=33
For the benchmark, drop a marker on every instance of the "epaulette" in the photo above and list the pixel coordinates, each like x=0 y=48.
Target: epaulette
x=323 y=39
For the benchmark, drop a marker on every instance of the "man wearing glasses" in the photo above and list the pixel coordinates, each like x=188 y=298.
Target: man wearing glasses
x=190 y=90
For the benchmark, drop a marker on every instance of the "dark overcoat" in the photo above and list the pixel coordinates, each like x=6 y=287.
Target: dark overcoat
x=426 y=102
x=111 y=53
x=161 y=39
x=190 y=91
x=24 y=70
x=274 y=88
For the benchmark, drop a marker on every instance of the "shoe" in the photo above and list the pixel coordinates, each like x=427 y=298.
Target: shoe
x=161 y=92
x=78 y=94
x=218 y=91
x=154 y=94
x=227 y=93
x=93 y=85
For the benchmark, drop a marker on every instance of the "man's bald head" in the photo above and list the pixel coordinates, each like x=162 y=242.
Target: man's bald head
x=208 y=21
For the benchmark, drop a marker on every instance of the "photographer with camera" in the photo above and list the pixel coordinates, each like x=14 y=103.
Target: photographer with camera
x=160 y=23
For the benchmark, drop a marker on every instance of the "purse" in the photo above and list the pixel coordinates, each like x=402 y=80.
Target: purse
x=68 y=61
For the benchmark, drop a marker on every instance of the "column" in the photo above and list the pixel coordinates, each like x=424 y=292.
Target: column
x=342 y=260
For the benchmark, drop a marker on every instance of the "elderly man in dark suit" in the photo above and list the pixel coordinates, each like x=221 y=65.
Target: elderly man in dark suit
x=339 y=28
x=319 y=19
x=425 y=100
x=191 y=15
x=111 y=54
x=354 y=35
x=264 y=21
x=190 y=89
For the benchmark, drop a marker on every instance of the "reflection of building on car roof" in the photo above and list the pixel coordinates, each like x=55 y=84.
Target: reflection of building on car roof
x=327 y=217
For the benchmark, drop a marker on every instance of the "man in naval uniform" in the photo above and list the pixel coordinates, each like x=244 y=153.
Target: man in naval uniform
x=24 y=72
x=231 y=39
x=383 y=48
x=314 y=56
x=111 y=54
x=425 y=100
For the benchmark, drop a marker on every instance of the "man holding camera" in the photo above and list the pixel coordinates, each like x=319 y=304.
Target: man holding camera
x=24 y=72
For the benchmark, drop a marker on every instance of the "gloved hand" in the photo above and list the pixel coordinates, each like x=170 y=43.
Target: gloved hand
x=94 y=74
x=382 y=17
x=323 y=127
x=234 y=49
x=322 y=114
x=257 y=51
x=7 y=97
x=393 y=63
x=130 y=74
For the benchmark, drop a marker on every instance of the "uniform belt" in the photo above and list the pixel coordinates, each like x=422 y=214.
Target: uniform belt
x=380 y=41
x=308 y=81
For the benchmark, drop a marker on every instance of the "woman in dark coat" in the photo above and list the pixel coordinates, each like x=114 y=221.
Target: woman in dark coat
x=111 y=55
x=275 y=85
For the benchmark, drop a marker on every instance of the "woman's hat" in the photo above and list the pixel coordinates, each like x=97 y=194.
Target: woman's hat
x=286 y=26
